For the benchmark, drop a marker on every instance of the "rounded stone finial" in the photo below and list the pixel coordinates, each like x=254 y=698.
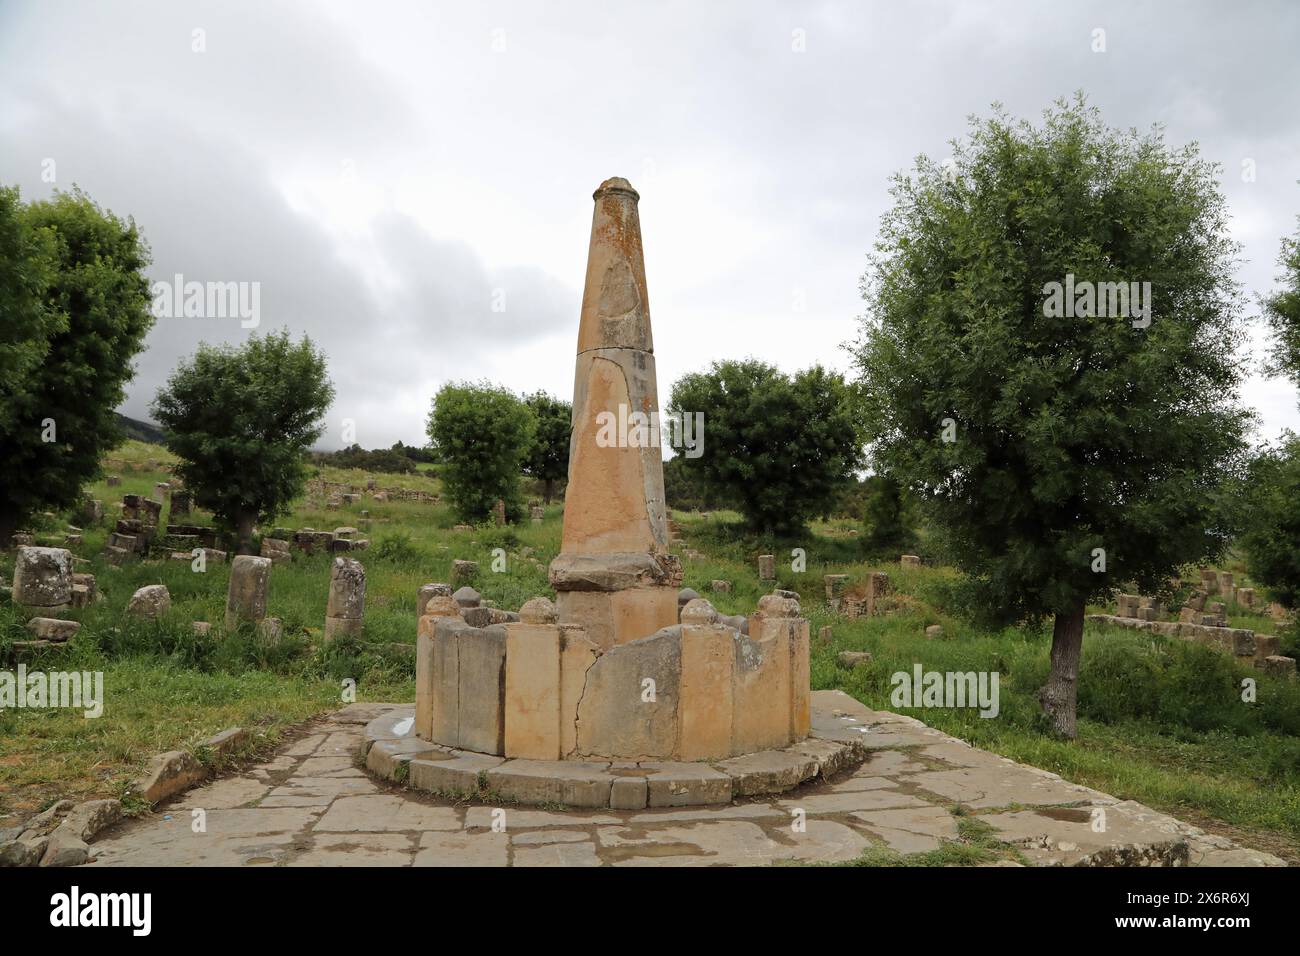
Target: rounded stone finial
x=699 y=612
x=440 y=605
x=538 y=610
x=616 y=184
x=774 y=605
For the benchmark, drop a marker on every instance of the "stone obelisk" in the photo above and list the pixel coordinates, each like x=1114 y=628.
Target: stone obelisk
x=614 y=575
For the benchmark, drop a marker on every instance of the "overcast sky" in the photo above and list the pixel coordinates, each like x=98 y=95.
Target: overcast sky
x=389 y=171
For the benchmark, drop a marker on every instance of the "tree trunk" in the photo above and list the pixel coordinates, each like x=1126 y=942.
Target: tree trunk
x=244 y=522
x=548 y=490
x=1059 y=696
x=8 y=525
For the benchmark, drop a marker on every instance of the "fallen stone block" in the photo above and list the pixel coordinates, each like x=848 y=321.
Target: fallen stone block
x=150 y=602
x=168 y=774
x=229 y=740
x=65 y=849
x=52 y=629
x=87 y=820
x=1280 y=666
x=852 y=659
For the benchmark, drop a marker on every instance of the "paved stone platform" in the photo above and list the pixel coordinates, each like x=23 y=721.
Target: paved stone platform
x=314 y=805
x=390 y=750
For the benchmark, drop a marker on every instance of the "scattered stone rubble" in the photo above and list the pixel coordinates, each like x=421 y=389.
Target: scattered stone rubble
x=58 y=836
x=1205 y=622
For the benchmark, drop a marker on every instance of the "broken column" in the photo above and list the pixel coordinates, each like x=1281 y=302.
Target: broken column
x=836 y=586
x=614 y=574
x=877 y=588
x=347 y=601
x=43 y=579
x=181 y=503
x=246 y=595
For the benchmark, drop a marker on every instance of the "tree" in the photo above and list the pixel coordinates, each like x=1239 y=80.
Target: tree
x=484 y=433
x=548 y=458
x=74 y=313
x=1282 y=310
x=1060 y=456
x=25 y=323
x=1272 y=498
x=884 y=516
x=777 y=446
x=1272 y=518
x=241 y=419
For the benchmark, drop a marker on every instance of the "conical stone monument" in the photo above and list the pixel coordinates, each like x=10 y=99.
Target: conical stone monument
x=611 y=696
x=614 y=574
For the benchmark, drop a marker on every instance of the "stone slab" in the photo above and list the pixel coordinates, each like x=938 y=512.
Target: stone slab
x=569 y=782
x=679 y=784
x=768 y=771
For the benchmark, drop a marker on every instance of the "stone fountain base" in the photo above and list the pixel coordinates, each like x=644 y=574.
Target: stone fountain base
x=837 y=740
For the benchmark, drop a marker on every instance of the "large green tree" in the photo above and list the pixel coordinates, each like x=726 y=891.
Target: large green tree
x=241 y=419
x=1271 y=540
x=778 y=446
x=483 y=433
x=1282 y=310
x=885 y=515
x=548 y=458
x=26 y=324
x=74 y=311
x=1272 y=499
x=1062 y=452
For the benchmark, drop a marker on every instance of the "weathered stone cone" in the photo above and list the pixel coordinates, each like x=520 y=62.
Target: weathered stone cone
x=617 y=503
x=614 y=574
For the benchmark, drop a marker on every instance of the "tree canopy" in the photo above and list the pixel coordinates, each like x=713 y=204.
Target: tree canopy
x=241 y=418
x=777 y=446
x=548 y=458
x=74 y=314
x=483 y=433
x=1064 y=445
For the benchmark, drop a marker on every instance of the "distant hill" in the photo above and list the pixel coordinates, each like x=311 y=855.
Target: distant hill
x=140 y=431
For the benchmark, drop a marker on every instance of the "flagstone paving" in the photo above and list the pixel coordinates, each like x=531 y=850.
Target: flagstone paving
x=312 y=805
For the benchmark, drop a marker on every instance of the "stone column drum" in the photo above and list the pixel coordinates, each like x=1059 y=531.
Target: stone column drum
x=43 y=579
x=345 y=611
x=246 y=595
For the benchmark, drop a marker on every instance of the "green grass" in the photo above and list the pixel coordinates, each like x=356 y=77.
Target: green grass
x=1161 y=721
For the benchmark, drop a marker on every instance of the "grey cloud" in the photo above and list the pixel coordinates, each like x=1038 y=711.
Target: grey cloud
x=772 y=166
